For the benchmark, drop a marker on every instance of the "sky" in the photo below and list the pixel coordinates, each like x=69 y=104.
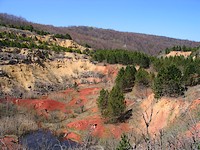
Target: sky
x=173 y=18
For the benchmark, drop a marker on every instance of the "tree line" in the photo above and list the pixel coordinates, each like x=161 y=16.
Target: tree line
x=174 y=74
x=122 y=57
x=181 y=48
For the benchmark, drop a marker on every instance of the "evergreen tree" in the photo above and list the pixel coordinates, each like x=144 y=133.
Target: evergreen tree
x=112 y=104
x=168 y=82
x=129 y=77
x=120 y=75
x=120 y=81
x=126 y=78
x=116 y=103
x=142 y=78
x=191 y=74
x=144 y=61
x=122 y=57
x=167 y=51
x=124 y=144
x=102 y=102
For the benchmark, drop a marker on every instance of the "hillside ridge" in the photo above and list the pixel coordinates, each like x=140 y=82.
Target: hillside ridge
x=99 y=38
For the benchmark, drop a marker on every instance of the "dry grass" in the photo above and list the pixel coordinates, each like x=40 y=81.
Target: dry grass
x=64 y=98
x=17 y=125
x=15 y=120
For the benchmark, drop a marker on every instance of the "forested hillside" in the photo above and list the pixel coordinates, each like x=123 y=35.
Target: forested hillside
x=106 y=39
x=110 y=39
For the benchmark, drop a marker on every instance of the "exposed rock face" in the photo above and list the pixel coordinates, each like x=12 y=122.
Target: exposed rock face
x=178 y=53
x=36 y=72
x=39 y=71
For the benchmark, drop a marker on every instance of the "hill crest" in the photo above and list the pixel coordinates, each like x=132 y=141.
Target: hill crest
x=99 y=38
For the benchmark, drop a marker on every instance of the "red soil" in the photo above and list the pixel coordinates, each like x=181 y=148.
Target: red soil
x=118 y=130
x=9 y=143
x=82 y=95
x=92 y=125
x=195 y=103
x=86 y=123
x=41 y=104
x=68 y=91
x=74 y=137
x=95 y=126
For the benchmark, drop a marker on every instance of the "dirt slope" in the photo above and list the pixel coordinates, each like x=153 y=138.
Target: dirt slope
x=53 y=75
x=178 y=53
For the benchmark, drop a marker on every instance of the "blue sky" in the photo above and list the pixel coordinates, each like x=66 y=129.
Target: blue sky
x=172 y=18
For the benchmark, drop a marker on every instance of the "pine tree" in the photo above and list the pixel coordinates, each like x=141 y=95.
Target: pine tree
x=102 y=102
x=168 y=82
x=142 y=78
x=116 y=103
x=126 y=78
x=191 y=74
x=120 y=75
x=124 y=144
